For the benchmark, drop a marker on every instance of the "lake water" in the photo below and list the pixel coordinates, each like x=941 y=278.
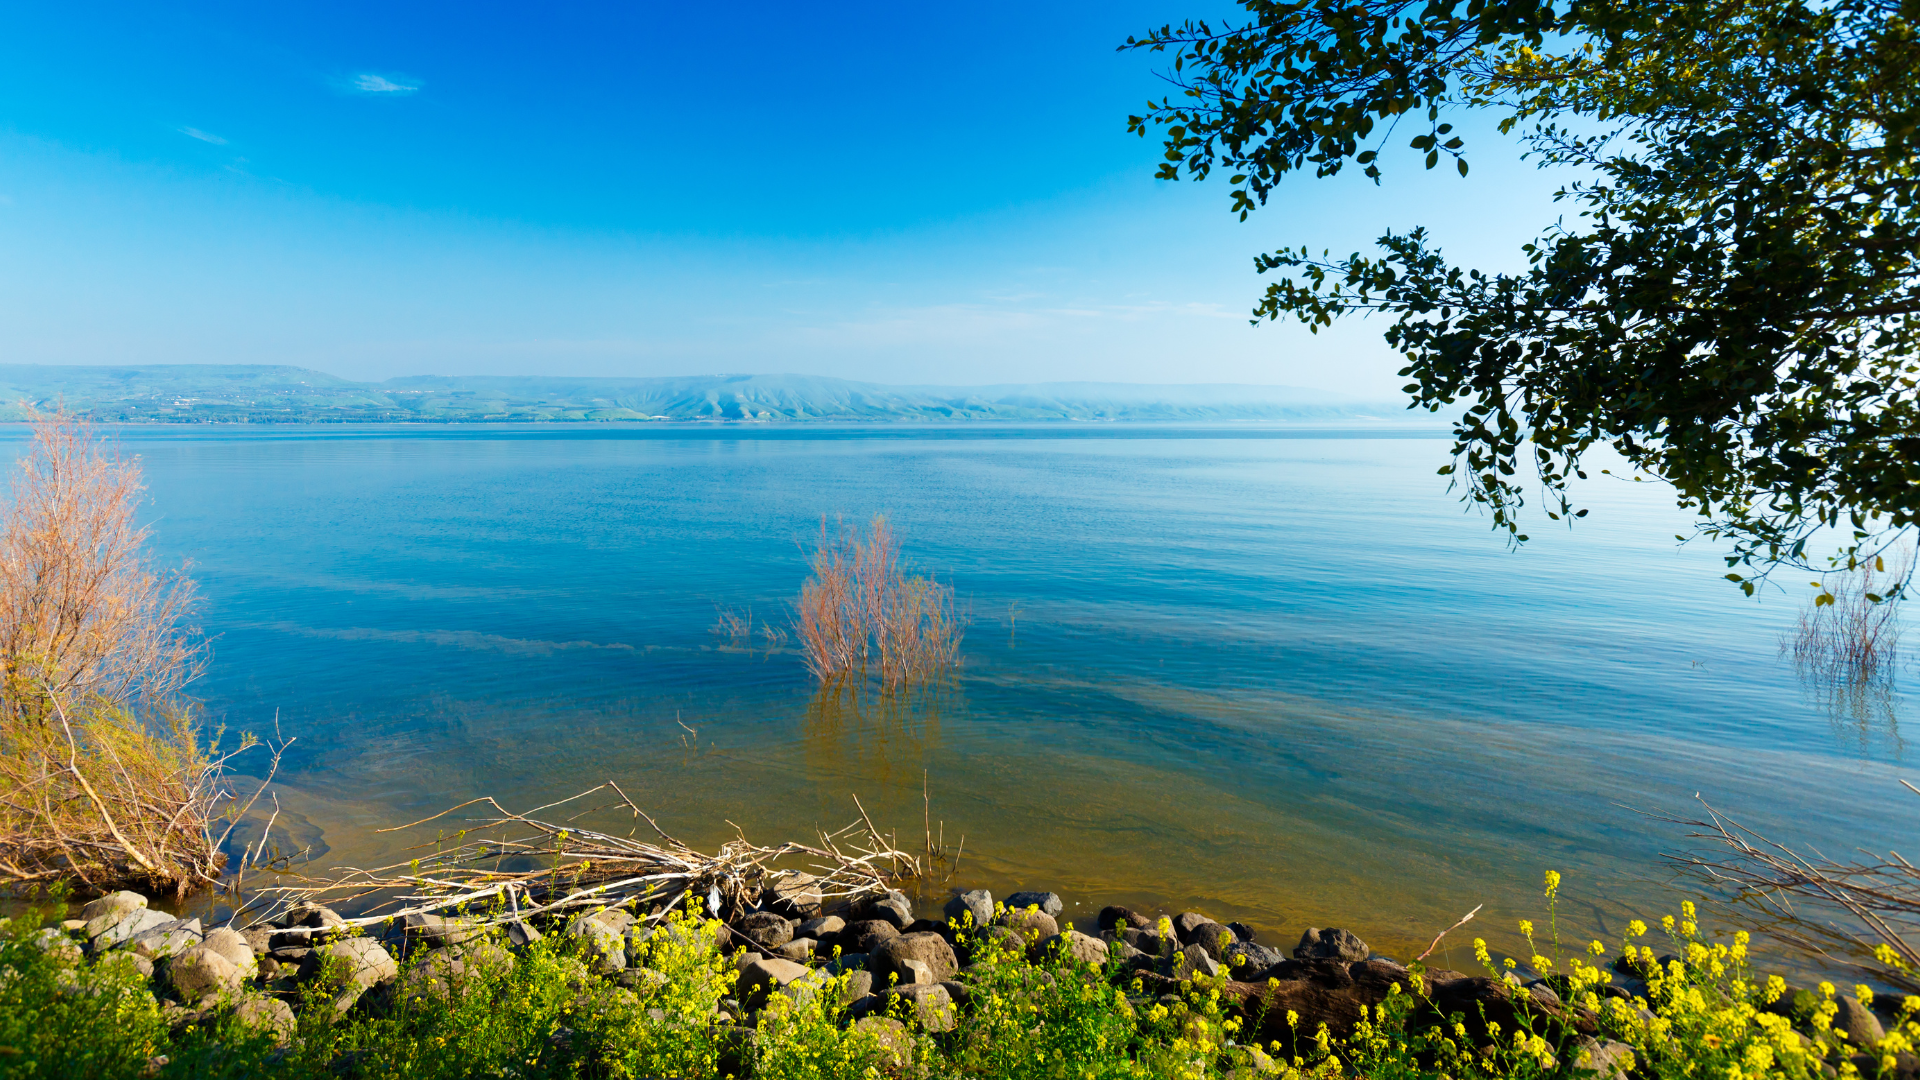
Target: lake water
x=1274 y=675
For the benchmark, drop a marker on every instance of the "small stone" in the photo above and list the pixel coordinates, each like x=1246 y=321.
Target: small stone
x=55 y=943
x=73 y=926
x=859 y=984
x=359 y=963
x=605 y=948
x=1862 y=1028
x=1076 y=946
x=436 y=931
x=522 y=934
x=128 y=927
x=1342 y=945
x=1245 y=958
x=170 y=939
x=818 y=929
x=893 y=908
x=1212 y=937
x=930 y=949
x=270 y=1014
x=795 y=895
x=800 y=949
x=1184 y=923
x=915 y=973
x=977 y=903
x=1610 y=1058
x=99 y=916
x=929 y=1005
x=201 y=972
x=891 y=1037
x=1048 y=903
x=1031 y=924
x=766 y=929
x=864 y=937
x=311 y=916
x=1193 y=960
x=762 y=977
x=1241 y=931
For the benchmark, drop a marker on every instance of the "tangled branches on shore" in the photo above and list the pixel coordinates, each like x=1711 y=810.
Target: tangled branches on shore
x=1878 y=897
x=506 y=867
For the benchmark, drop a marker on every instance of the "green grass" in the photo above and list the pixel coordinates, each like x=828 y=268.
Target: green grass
x=540 y=1013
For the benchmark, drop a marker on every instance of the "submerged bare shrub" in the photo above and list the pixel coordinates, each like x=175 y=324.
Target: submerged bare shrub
x=84 y=615
x=860 y=610
x=104 y=777
x=1848 y=636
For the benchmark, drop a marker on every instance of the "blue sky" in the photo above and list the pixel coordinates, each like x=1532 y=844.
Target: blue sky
x=886 y=193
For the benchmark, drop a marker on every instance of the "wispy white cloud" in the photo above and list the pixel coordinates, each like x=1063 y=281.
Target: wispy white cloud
x=367 y=82
x=203 y=136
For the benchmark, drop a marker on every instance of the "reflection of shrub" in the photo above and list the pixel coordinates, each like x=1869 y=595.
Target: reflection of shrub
x=102 y=774
x=1848 y=635
x=860 y=609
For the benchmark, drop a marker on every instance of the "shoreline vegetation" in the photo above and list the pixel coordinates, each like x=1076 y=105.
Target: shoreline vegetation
x=788 y=983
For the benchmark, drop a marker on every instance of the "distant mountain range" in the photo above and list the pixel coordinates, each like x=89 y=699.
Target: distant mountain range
x=203 y=393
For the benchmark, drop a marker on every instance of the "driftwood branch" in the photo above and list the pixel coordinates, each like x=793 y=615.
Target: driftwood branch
x=1855 y=908
x=563 y=867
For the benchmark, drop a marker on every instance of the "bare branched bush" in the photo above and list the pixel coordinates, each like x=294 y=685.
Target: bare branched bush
x=861 y=610
x=84 y=616
x=1849 y=634
x=104 y=776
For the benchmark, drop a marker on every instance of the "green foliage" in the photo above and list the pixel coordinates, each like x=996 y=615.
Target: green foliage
x=540 y=1013
x=1734 y=306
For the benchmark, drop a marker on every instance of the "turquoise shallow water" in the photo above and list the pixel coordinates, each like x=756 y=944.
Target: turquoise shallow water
x=1279 y=675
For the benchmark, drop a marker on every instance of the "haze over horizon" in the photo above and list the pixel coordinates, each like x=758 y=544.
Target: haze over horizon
x=890 y=197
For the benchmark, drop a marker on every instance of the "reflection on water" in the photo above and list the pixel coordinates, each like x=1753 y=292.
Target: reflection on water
x=1182 y=702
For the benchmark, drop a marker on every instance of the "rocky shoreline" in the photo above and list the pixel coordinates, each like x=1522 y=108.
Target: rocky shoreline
x=892 y=971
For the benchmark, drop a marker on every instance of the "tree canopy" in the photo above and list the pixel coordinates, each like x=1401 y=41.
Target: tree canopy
x=1732 y=306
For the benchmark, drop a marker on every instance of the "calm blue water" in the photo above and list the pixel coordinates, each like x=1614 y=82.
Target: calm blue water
x=1279 y=675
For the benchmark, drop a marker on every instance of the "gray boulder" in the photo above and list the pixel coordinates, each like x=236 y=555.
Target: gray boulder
x=864 y=937
x=1031 y=924
x=101 y=915
x=799 y=950
x=601 y=939
x=888 y=961
x=1193 y=960
x=356 y=963
x=930 y=1006
x=1074 y=945
x=1047 y=902
x=1862 y=1028
x=167 y=939
x=1210 y=936
x=267 y=1014
x=858 y=985
x=892 y=908
x=1185 y=922
x=820 y=928
x=1318 y=944
x=437 y=932
x=891 y=1038
x=1244 y=958
x=230 y=944
x=977 y=903
x=766 y=929
x=201 y=973
x=764 y=977
x=794 y=895
x=128 y=927
x=1610 y=1058
x=55 y=943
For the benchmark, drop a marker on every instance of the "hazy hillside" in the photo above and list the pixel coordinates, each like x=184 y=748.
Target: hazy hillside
x=260 y=394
